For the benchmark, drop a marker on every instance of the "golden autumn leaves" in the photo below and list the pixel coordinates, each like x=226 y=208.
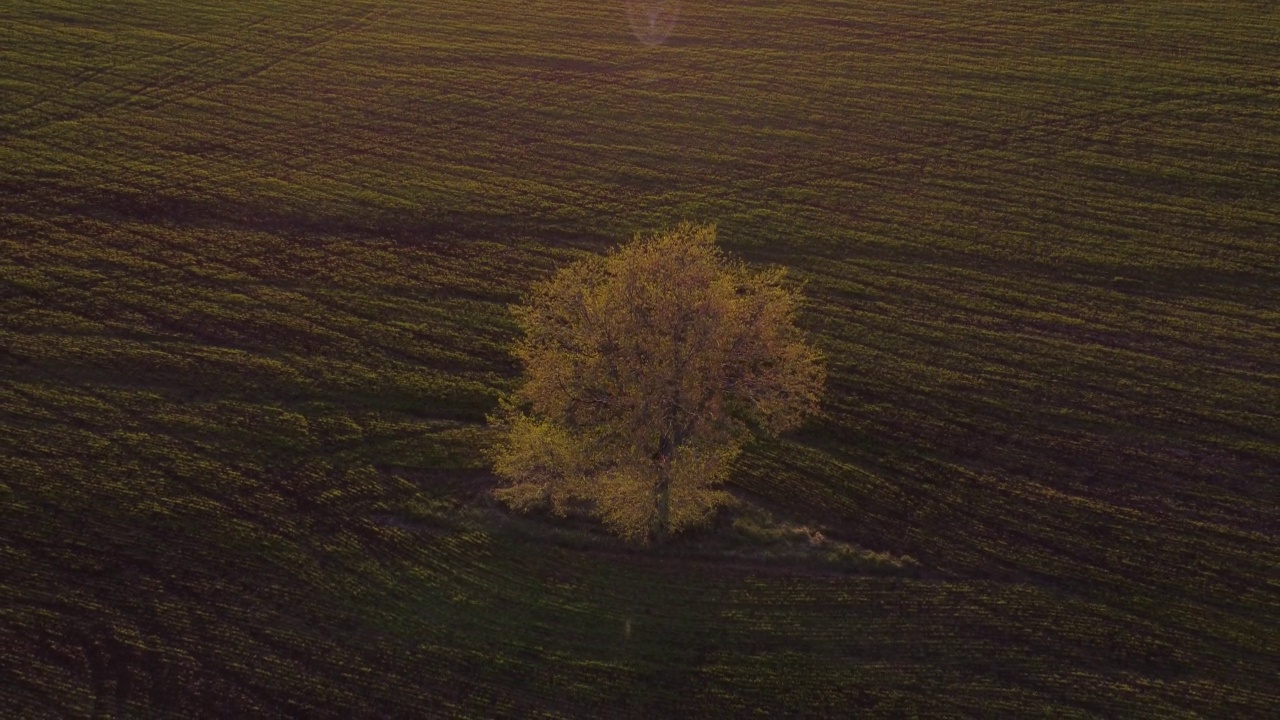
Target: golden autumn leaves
x=645 y=371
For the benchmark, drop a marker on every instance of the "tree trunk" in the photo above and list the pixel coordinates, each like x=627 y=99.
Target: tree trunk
x=662 y=494
x=672 y=437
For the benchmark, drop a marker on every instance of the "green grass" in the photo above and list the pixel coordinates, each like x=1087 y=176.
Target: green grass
x=254 y=263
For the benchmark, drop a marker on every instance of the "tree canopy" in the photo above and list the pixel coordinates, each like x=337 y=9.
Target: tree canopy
x=645 y=371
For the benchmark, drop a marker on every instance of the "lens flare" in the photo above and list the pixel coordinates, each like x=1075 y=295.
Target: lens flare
x=652 y=20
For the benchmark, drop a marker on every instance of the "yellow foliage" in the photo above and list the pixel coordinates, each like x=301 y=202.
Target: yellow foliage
x=644 y=371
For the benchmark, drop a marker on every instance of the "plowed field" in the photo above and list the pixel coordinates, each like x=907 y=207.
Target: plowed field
x=255 y=261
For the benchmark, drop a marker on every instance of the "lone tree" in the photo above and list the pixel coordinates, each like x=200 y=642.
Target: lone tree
x=645 y=371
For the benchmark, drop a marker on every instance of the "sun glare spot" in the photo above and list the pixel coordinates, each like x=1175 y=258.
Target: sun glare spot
x=652 y=20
